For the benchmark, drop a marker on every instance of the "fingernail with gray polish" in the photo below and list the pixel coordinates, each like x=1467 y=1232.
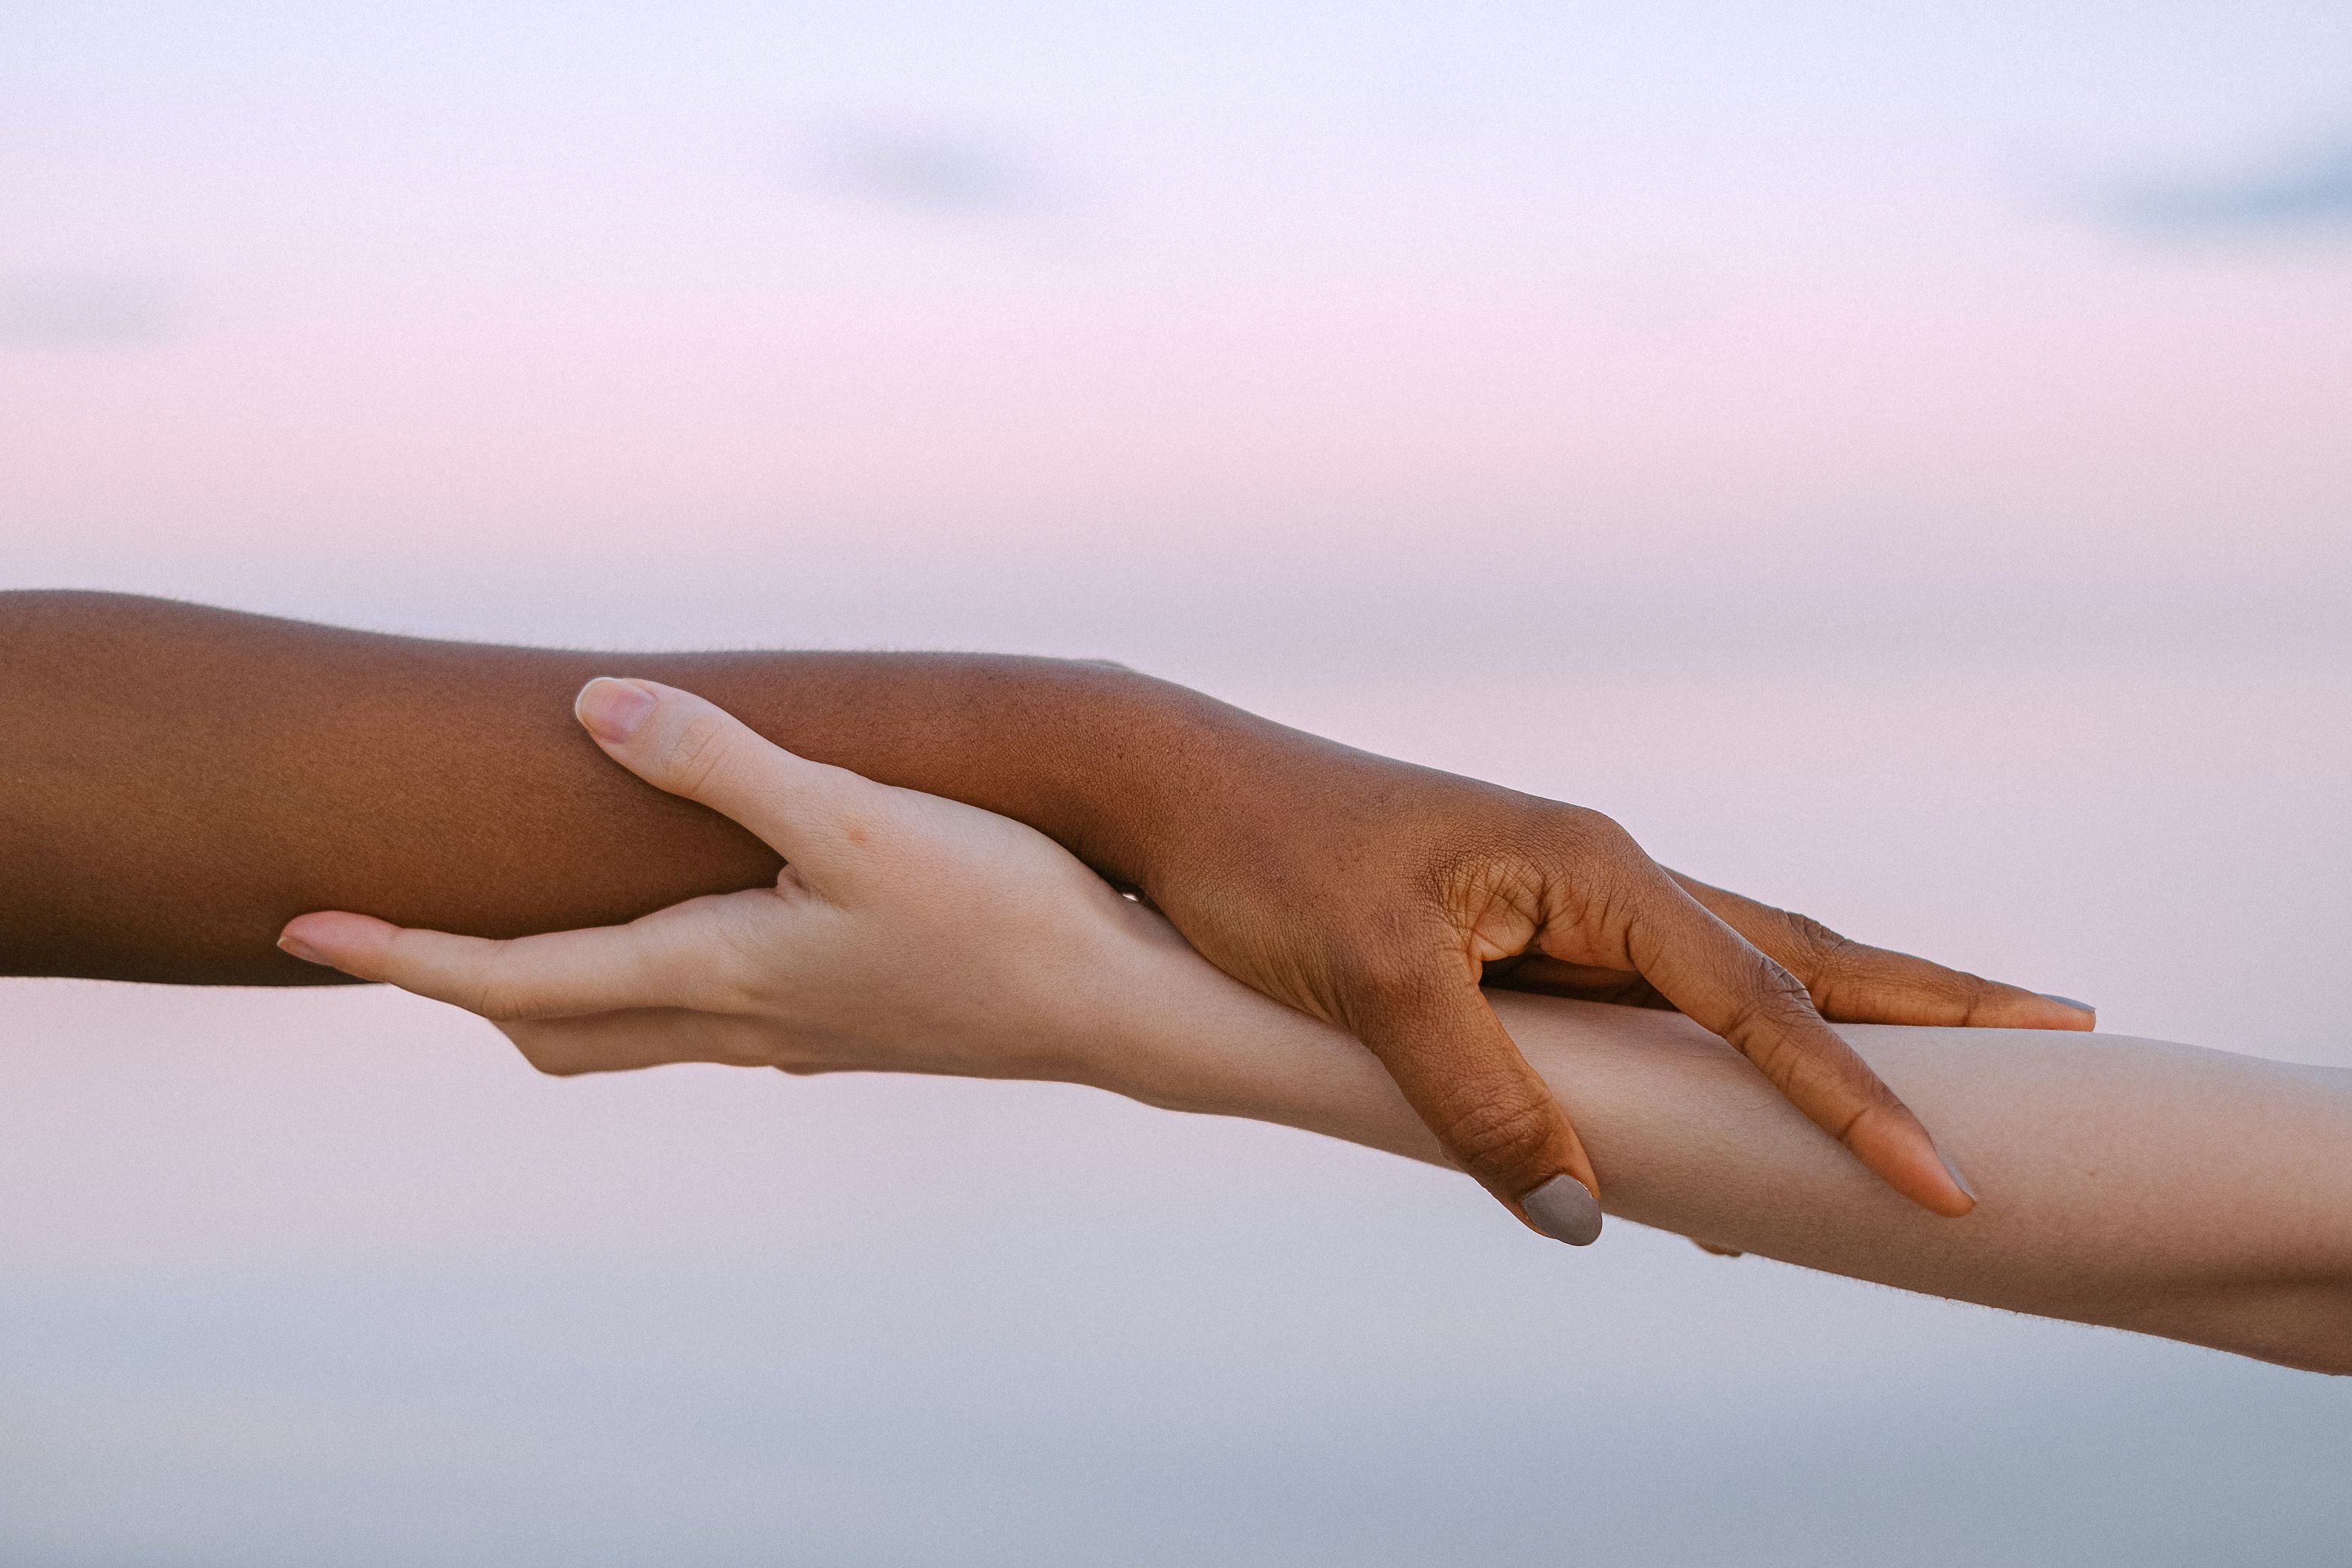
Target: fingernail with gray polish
x=1565 y=1210
x=2070 y=1002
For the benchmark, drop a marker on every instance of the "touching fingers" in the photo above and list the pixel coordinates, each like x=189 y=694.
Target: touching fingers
x=675 y=740
x=1864 y=984
x=1493 y=1114
x=1711 y=973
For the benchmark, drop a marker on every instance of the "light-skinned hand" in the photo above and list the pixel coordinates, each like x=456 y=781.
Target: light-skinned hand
x=906 y=933
x=1371 y=893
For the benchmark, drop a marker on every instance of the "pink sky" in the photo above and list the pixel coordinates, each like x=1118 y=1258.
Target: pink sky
x=1899 y=463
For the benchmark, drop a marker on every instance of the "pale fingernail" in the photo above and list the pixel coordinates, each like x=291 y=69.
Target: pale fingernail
x=1954 y=1171
x=612 y=710
x=1565 y=1210
x=302 y=950
x=2069 y=1001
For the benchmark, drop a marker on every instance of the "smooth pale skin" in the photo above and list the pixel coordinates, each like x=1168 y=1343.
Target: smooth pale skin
x=176 y=782
x=2157 y=1187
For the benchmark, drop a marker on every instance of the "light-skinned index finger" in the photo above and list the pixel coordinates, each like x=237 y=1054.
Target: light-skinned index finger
x=559 y=974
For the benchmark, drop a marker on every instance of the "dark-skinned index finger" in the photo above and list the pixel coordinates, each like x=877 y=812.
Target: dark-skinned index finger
x=1864 y=984
x=1711 y=973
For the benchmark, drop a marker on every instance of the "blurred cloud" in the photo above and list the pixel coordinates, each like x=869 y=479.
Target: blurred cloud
x=70 y=311
x=932 y=170
x=2289 y=195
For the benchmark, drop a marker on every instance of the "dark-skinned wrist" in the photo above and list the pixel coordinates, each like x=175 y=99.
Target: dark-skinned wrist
x=1142 y=761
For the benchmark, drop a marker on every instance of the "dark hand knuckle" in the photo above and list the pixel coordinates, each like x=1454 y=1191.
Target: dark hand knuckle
x=1814 y=945
x=1778 y=994
x=1766 y=1020
x=1499 y=1133
x=1604 y=835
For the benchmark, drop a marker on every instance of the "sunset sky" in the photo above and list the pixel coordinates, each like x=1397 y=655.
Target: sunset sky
x=912 y=322
x=1897 y=459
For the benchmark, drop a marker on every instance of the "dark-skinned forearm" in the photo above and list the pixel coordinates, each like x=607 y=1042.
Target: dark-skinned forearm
x=177 y=781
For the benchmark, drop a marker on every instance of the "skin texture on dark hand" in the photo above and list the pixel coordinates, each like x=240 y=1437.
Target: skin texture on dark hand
x=1376 y=895
x=178 y=783
x=1848 y=981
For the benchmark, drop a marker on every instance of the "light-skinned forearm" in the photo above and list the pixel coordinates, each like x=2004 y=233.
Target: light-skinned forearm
x=2156 y=1187
x=2175 y=1191
x=177 y=784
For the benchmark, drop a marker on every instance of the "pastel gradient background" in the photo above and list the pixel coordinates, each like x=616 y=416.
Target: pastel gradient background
x=1899 y=461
